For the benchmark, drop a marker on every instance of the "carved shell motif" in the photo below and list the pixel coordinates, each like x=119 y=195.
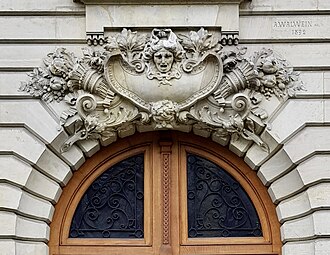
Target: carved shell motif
x=163 y=80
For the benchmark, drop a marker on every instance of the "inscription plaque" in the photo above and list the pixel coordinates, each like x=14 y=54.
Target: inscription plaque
x=297 y=27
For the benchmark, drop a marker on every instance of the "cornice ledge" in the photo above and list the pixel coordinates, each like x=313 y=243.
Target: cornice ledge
x=158 y=2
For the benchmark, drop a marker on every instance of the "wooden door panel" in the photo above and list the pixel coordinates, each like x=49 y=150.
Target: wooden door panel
x=165 y=200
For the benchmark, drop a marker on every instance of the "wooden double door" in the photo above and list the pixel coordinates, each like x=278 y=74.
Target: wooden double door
x=181 y=194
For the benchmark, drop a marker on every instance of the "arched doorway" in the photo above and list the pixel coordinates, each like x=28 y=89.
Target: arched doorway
x=173 y=212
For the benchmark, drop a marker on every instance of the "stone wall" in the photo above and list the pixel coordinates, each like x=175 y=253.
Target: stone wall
x=296 y=171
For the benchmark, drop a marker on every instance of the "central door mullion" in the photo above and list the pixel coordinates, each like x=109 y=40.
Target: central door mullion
x=166 y=151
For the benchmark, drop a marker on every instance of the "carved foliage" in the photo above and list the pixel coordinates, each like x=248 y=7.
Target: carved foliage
x=187 y=81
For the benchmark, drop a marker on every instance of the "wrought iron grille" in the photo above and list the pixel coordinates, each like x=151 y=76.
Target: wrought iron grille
x=112 y=206
x=217 y=204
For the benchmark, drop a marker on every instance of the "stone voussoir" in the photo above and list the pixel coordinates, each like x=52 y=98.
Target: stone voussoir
x=17 y=247
x=14 y=199
x=315 y=225
x=20 y=142
x=15 y=226
x=315 y=198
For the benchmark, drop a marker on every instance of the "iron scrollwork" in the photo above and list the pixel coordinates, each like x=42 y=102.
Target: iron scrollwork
x=112 y=206
x=217 y=204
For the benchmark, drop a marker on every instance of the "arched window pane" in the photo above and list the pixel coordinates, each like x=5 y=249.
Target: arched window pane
x=112 y=207
x=217 y=204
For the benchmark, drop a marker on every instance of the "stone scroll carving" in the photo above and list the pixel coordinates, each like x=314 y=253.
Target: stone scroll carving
x=163 y=80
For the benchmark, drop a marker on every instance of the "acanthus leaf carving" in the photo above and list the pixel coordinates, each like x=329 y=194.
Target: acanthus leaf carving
x=164 y=81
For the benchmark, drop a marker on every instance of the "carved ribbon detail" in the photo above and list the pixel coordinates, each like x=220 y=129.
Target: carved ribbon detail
x=166 y=198
x=165 y=148
x=163 y=80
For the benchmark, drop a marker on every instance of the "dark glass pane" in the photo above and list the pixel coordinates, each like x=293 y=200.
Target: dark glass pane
x=112 y=206
x=217 y=204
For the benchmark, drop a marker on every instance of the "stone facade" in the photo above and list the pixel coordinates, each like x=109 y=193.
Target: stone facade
x=294 y=168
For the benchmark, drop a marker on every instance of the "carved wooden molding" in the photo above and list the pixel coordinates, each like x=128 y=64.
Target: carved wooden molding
x=165 y=148
x=183 y=143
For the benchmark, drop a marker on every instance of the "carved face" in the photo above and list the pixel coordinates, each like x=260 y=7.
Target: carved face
x=163 y=60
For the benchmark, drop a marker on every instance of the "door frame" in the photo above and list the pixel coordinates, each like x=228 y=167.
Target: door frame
x=157 y=146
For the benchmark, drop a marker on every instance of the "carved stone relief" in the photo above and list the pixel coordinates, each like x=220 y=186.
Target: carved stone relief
x=163 y=80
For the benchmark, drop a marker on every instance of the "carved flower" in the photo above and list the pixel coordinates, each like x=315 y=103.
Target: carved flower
x=94 y=59
x=164 y=113
x=60 y=63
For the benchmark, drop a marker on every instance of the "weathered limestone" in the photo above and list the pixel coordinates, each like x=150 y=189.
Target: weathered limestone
x=13 y=198
x=311 y=247
x=256 y=156
x=315 y=169
x=287 y=185
x=229 y=94
x=36 y=207
x=54 y=27
x=240 y=146
x=308 y=141
x=314 y=198
x=276 y=166
x=39 y=5
x=326 y=82
x=49 y=162
x=31 y=55
x=22 y=144
x=284 y=5
x=51 y=191
x=310 y=226
x=283 y=28
x=16 y=247
x=299 y=112
x=74 y=158
x=316 y=56
x=45 y=129
x=20 y=174
x=305 y=143
x=314 y=83
x=308 y=173
x=7 y=90
x=225 y=15
x=89 y=147
x=14 y=226
x=12 y=114
x=220 y=140
x=327 y=110
x=281 y=163
x=32 y=169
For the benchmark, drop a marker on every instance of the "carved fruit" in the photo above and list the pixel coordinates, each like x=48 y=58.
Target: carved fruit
x=281 y=85
x=269 y=67
x=56 y=83
x=269 y=81
x=57 y=66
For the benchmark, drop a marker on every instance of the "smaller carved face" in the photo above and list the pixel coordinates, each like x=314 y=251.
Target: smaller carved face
x=163 y=60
